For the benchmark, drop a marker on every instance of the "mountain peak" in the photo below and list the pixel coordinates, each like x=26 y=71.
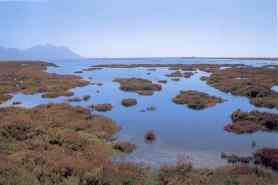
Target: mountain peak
x=39 y=52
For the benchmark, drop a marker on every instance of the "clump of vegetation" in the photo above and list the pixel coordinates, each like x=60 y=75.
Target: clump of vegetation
x=175 y=74
x=169 y=174
x=188 y=74
x=138 y=85
x=79 y=99
x=17 y=103
x=31 y=77
x=249 y=122
x=162 y=81
x=128 y=102
x=151 y=108
x=179 y=74
x=268 y=157
x=232 y=158
x=92 y=69
x=254 y=83
x=150 y=136
x=175 y=79
x=124 y=146
x=242 y=174
x=102 y=107
x=57 y=94
x=196 y=100
x=97 y=83
x=54 y=144
x=86 y=97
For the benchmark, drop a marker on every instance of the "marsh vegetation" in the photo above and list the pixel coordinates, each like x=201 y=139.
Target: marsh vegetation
x=76 y=143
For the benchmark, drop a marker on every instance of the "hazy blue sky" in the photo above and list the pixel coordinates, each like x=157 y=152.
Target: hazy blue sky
x=137 y=28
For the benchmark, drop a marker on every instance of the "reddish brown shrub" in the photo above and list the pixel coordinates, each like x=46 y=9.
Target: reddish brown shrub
x=125 y=146
x=150 y=136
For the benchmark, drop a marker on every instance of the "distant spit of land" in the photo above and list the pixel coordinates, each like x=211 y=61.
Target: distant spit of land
x=209 y=58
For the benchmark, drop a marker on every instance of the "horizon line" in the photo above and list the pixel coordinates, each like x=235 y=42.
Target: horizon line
x=184 y=57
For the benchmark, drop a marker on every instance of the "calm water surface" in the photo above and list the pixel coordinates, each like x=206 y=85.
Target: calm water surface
x=275 y=88
x=180 y=130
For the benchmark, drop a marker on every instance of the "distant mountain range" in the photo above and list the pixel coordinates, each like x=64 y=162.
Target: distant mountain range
x=38 y=52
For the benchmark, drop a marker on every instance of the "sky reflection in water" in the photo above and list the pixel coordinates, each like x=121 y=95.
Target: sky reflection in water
x=180 y=130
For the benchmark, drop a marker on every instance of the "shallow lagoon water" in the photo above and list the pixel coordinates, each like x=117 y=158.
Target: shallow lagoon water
x=275 y=88
x=180 y=130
